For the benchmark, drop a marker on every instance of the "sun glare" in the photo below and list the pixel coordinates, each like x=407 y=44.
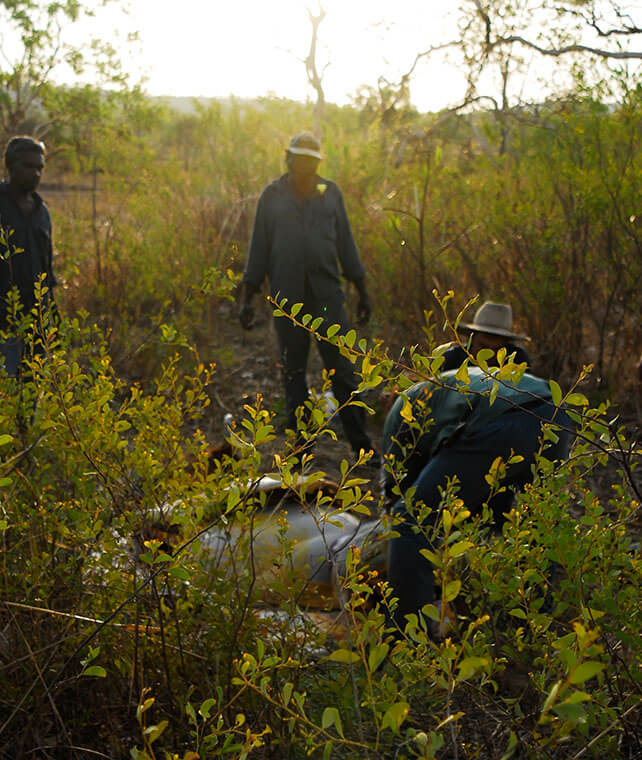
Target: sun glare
x=250 y=48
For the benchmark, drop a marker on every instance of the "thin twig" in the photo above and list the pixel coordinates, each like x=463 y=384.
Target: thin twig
x=71 y=746
x=42 y=681
x=609 y=728
x=163 y=647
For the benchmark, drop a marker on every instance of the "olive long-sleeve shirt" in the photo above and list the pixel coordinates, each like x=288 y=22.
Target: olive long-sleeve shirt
x=25 y=250
x=299 y=243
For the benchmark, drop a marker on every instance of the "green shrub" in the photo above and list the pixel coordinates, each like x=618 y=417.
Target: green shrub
x=166 y=646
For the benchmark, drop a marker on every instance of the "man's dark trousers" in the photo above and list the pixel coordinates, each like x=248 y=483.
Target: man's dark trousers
x=11 y=352
x=469 y=458
x=294 y=346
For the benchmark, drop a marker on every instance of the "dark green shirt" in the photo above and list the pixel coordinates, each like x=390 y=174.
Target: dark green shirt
x=427 y=416
x=299 y=244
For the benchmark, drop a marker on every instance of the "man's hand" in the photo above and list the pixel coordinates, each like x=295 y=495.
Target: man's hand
x=364 y=310
x=246 y=315
x=246 y=312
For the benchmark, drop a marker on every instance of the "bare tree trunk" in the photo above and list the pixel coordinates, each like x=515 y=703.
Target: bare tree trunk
x=314 y=78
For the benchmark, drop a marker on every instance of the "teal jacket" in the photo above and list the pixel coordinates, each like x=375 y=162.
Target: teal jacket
x=427 y=416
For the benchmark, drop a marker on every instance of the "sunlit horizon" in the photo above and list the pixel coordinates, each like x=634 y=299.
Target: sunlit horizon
x=252 y=49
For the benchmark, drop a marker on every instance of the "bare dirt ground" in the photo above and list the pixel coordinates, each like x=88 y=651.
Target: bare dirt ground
x=247 y=367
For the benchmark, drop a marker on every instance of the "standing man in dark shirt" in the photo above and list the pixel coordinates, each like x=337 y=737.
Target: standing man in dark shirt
x=25 y=239
x=301 y=236
x=492 y=327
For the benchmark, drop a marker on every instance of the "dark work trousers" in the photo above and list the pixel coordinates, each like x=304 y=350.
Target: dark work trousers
x=470 y=458
x=14 y=352
x=294 y=346
x=11 y=352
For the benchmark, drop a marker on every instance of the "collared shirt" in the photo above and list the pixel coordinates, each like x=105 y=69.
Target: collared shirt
x=25 y=250
x=438 y=414
x=299 y=243
x=455 y=355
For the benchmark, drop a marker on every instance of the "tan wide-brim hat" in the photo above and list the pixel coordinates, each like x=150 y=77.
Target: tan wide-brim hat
x=495 y=319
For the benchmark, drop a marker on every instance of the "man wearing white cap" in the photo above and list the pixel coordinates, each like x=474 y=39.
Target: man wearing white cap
x=302 y=242
x=492 y=327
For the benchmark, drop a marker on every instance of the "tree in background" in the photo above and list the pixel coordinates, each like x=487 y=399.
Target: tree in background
x=315 y=78
x=33 y=47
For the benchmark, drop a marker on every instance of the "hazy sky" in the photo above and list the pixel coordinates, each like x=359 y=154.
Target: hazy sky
x=255 y=47
x=250 y=48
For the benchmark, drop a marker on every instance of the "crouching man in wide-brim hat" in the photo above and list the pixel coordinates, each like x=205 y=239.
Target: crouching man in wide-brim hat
x=492 y=327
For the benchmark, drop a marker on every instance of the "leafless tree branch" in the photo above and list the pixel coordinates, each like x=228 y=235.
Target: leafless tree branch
x=314 y=77
x=564 y=49
x=627 y=25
